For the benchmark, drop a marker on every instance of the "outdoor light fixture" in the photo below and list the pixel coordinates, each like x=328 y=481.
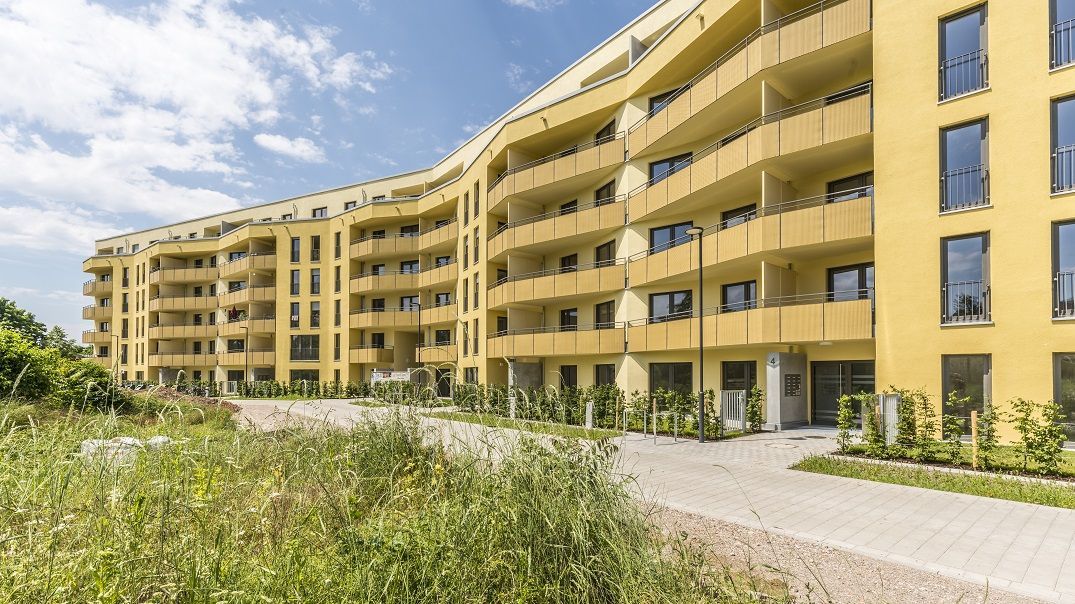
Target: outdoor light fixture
x=696 y=233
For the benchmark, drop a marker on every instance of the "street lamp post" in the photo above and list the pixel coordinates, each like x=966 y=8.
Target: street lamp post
x=246 y=352
x=696 y=233
x=418 y=351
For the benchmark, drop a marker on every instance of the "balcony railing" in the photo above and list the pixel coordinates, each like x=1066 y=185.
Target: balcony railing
x=555 y=156
x=966 y=302
x=1064 y=168
x=762 y=303
x=1064 y=286
x=557 y=271
x=963 y=74
x=558 y=329
x=557 y=213
x=1062 y=39
x=964 y=188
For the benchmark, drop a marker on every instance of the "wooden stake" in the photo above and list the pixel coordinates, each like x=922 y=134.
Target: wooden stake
x=974 y=439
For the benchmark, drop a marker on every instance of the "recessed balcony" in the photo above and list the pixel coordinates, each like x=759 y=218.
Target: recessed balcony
x=439 y=274
x=559 y=283
x=178 y=303
x=253 y=357
x=263 y=261
x=803 y=223
x=384 y=245
x=574 y=340
x=181 y=359
x=801 y=319
x=169 y=332
x=97 y=288
x=443 y=235
x=560 y=168
x=795 y=35
x=247 y=294
x=442 y=352
x=386 y=317
x=183 y=275
x=370 y=354
x=96 y=337
x=384 y=281
x=559 y=227
x=808 y=126
x=439 y=314
x=96 y=313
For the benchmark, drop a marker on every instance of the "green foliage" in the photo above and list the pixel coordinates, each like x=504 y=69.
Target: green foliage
x=26 y=371
x=22 y=322
x=845 y=422
x=1041 y=437
x=987 y=440
x=872 y=435
x=906 y=422
x=926 y=426
x=755 y=406
x=57 y=338
x=952 y=427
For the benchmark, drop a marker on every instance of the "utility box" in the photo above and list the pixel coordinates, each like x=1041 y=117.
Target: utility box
x=785 y=393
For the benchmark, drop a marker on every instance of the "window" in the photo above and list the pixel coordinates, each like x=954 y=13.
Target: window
x=569 y=263
x=606 y=194
x=466 y=251
x=569 y=208
x=466 y=339
x=1064 y=144
x=296 y=279
x=315 y=281
x=470 y=375
x=1062 y=32
x=442 y=299
x=605 y=254
x=604 y=315
x=966 y=375
x=286 y=217
x=477 y=295
x=660 y=170
x=663 y=238
x=477 y=239
x=466 y=210
x=501 y=323
x=408 y=267
x=350 y=205
x=305 y=348
x=126 y=279
x=677 y=377
x=377 y=198
x=319 y=213
x=377 y=340
x=607 y=131
x=735 y=297
x=604 y=374
x=501 y=275
x=408 y=230
x=315 y=314
x=295 y=247
x=569 y=319
x=315 y=248
x=569 y=376
x=466 y=295
x=337 y=314
x=737 y=216
x=477 y=200
x=1064 y=269
x=337 y=281
x=442 y=337
x=305 y=375
x=294 y=314
x=378 y=269
x=659 y=102
x=337 y=248
x=377 y=305
x=1064 y=391
x=670 y=305
x=235 y=345
x=963 y=53
x=336 y=348
x=408 y=303
x=852 y=187
x=964 y=166
x=965 y=279
x=738 y=375
x=442 y=261
x=475 y=336
x=851 y=282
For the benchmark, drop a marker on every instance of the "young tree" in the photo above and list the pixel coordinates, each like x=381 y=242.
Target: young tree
x=69 y=349
x=845 y=421
x=22 y=322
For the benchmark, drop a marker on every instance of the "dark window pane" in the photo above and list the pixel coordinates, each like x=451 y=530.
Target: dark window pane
x=966 y=376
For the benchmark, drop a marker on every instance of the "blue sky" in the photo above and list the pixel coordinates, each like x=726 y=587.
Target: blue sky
x=117 y=115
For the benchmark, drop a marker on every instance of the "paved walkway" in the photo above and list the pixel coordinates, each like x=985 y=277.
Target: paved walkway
x=1021 y=548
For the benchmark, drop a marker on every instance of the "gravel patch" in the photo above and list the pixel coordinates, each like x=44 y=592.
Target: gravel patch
x=817 y=573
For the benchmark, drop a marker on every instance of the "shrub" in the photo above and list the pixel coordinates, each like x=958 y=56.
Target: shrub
x=906 y=422
x=872 y=434
x=754 y=409
x=952 y=427
x=26 y=371
x=1041 y=436
x=926 y=428
x=987 y=437
x=845 y=422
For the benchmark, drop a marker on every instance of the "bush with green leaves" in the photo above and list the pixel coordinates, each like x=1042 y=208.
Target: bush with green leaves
x=987 y=441
x=906 y=421
x=26 y=371
x=952 y=427
x=873 y=435
x=926 y=427
x=755 y=409
x=1041 y=437
x=845 y=422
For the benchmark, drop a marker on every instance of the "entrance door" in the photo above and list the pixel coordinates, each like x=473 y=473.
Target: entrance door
x=444 y=383
x=833 y=379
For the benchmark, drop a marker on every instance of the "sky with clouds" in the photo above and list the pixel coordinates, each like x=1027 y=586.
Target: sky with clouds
x=119 y=114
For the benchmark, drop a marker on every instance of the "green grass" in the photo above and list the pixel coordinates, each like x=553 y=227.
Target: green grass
x=380 y=513
x=1058 y=495
x=1008 y=459
x=496 y=421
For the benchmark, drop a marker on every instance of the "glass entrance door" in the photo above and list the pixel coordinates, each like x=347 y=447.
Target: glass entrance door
x=833 y=379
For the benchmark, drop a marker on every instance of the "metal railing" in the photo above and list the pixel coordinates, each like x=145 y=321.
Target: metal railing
x=385 y=273
x=244 y=257
x=574 y=268
x=379 y=236
x=435 y=266
x=772 y=26
x=963 y=188
x=445 y=222
x=1064 y=168
x=371 y=347
x=555 y=156
x=864 y=89
x=557 y=213
x=557 y=329
x=771 y=302
x=963 y=74
x=965 y=302
x=1062 y=40
x=1064 y=288
x=359 y=311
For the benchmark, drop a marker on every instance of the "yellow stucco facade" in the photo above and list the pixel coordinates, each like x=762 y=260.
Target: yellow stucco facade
x=553 y=247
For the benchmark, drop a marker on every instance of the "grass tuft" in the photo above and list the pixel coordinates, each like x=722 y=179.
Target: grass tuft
x=496 y=421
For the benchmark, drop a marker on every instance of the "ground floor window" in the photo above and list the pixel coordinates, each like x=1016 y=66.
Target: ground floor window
x=569 y=376
x=1064 y=390
x=678 y=377
x=309 y=375
x=604 y=374
x=965 y=376
x=833 y=379
x=738 y=375
x=235 y=375
x=470 y=375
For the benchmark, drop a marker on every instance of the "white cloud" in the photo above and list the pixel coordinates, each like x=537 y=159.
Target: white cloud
x=383 y=159
x=53 y=228
x=51 y=294
x=535 y=5
x=517 y=80
x=302 y=149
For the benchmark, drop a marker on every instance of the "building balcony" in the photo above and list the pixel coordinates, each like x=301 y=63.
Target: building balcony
x=180 y=303
x=559 y=168
x=795 y=224
x=808 y=126
x=170 y=332
x=96 y=313
x=96 y=337
x=803 y=32
x=255 y=325
x=253 y=358
x=442 y=352
x=384 y=281
x=557 y=228
x=97 y=288
x=557 y=341
x=1064 y=295
x=247 y=294
x=388 y=317
x=384 y=245
x=439 y=314
x=558 y=283
x=265 y=261
x=183 y=275
x=966 y=302
x=368 y=354
x=439 y=275
x=441 y=236
x=182 y=359
x=100 y=264
x=803 y=319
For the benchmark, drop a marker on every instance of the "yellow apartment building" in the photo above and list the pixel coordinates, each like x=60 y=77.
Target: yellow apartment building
x=825 y=197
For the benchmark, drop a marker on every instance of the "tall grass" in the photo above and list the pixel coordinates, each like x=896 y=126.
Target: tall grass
x=376 y=514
